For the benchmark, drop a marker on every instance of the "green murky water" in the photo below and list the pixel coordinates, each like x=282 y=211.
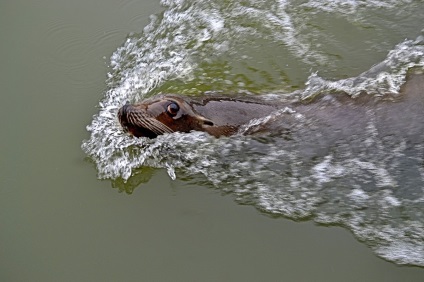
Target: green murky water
x=59 y=223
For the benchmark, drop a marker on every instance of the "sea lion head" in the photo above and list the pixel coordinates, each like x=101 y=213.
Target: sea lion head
x=157 y=116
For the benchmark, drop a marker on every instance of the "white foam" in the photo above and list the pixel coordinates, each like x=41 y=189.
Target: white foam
x=326 y=171
x=351 y=6
x=359 y=195
x=384 y=78
x=355 y=189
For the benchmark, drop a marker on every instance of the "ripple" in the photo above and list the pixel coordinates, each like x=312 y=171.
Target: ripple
x=69 y=46
x=354 y=182
x=102 y=37
x=72 y=47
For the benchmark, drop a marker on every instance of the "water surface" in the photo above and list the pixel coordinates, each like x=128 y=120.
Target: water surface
x=370 y=181
x=60 y=223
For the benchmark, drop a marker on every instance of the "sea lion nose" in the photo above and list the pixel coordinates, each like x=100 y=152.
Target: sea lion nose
x=123 y=113
x=127 y=108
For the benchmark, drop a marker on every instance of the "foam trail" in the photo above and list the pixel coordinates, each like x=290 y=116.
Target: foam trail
x=186 y=45
x=384 y=78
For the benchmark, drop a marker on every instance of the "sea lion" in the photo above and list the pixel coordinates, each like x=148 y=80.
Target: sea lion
x=331 y=116
x=169 y=113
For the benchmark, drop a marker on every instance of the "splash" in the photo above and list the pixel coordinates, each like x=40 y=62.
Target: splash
x=198 y=46
x=384 y=78
x=352 y=7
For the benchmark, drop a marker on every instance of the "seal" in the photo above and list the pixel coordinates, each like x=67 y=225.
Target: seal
x=169 y=113
x=325 y=118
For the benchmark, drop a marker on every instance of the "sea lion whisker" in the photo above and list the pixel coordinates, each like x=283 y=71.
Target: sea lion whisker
x=150 y=123
x=152 y=127
x=144 y=121
x=136 y=119
x=133 y=120
x=159 y=125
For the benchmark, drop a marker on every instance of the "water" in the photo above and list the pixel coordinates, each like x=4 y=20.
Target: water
x=280 y=50
x=59 y=222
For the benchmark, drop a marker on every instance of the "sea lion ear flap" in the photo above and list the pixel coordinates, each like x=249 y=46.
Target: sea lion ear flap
x=205 y=121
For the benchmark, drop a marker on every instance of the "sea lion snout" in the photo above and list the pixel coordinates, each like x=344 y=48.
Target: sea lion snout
x=136 y=121
x=147 y=119
x=123 y=115
x=168 y=114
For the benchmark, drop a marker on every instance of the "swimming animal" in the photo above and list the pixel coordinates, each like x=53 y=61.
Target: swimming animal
x=331 y=116
x=170 y=113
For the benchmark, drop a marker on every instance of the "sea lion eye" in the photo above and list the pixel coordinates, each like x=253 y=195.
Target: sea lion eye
x=172 y=109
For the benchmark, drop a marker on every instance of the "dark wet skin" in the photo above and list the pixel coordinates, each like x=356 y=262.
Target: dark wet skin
x=332 y=116
x=167 y=114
